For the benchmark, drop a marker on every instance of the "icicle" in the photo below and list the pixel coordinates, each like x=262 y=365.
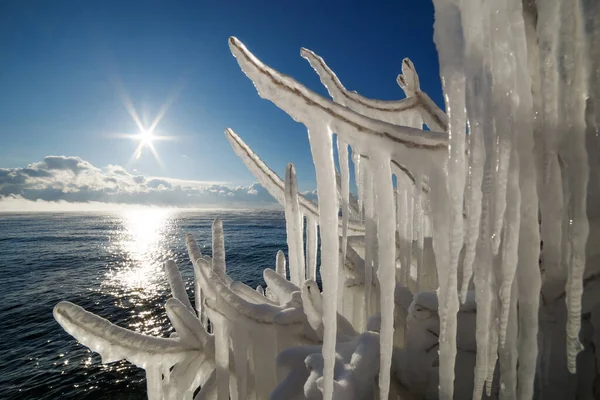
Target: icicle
x=528 y=272
x=576 y=168
x=239 y=340
x=422 y=285
x=321 y=147
x=370 y=235
x=293 y=219
x=345 y=172
x=508 y=351
x=528 y=277
x=448 y=37
x=504 y=102
x=153 y=383
x=280 y=266
x=550 y=182
x=358 y=180
x=493 y=337
x=510 y=245
x=194 y=253
x=401 y=209
x=222 y=333
x=404 y=224
x=386 y=240
x=311 y=247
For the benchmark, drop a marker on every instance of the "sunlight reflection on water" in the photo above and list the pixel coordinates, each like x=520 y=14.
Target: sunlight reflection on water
x=141 y=244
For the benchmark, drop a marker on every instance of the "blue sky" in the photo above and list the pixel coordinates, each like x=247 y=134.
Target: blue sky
x=65 y=63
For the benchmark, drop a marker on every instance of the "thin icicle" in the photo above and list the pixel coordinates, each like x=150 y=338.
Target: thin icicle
x=508 y=352
x=386 y=239
x=493 y=338
x=321 y=147
x=404 y=225
x=195 y=253
x=420 y=234
x=345 y=172
x=311 y=247
x=370 y=235
x=293 y=219
x=358 y=180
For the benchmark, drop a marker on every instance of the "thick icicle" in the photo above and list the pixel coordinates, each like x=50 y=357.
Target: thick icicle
x=448 y=36
x=293 y=219
x=386 y=240
x=222 y=336
x=510 y=245
x=321 y=147
x=576 y=168
x=547 y=138
x=528 y=271
x=504 y=102
x=239 y=340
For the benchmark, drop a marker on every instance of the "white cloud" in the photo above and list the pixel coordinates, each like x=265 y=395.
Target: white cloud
x=64 y=180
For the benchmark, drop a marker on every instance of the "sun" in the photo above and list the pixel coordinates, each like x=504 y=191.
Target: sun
x=146 y=137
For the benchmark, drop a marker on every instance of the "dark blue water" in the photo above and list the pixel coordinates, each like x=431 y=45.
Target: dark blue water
x=110 y=264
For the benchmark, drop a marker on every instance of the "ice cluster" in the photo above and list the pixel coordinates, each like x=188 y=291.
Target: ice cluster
x=435 y=284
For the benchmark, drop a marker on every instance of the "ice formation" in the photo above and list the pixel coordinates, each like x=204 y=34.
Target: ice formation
x=434 y=284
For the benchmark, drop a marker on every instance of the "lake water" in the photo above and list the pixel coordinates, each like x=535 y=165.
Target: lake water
x=110 y=264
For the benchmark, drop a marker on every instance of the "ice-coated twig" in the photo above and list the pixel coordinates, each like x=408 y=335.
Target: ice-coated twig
x=389 y=111
x=273 y=183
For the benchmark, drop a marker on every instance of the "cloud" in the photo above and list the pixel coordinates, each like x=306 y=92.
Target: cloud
x=66 y=180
